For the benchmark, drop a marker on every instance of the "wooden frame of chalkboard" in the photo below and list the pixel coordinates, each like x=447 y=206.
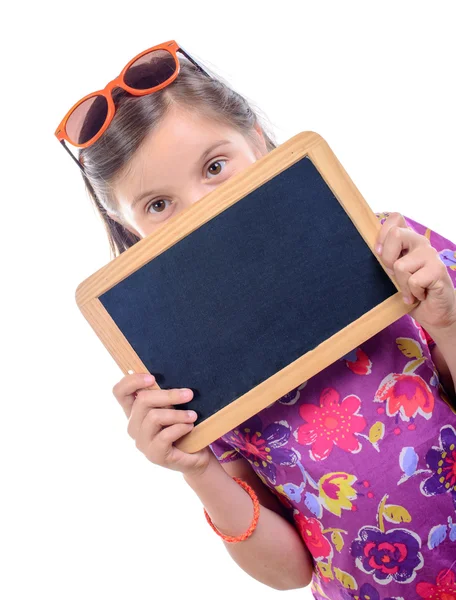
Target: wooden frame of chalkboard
x=304 y=145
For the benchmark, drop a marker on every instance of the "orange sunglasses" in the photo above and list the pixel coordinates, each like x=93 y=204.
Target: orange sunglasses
x=148 y=72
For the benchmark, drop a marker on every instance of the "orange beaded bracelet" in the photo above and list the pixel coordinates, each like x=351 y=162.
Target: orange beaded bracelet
x=256 y=515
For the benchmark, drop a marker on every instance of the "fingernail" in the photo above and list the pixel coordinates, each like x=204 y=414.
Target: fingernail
x=149 y=378
x=191 y=414
x=407 y=300
x=379 y=248
x=186 y=394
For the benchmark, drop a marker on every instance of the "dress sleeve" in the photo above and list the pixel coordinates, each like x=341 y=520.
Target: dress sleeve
x=223 y=452
x=445 y=248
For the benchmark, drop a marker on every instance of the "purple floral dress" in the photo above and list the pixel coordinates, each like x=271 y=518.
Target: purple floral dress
x=363 y=455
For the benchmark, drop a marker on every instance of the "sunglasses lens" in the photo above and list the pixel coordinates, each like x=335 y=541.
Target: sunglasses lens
x=87 y=119
x=151 y=70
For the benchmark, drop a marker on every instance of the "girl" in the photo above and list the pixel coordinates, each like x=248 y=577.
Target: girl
x=349 y=480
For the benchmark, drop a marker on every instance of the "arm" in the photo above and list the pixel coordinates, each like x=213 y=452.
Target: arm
x=275 y=553
x=425 y=272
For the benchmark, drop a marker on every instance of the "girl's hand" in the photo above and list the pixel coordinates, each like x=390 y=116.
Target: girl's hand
x=419 y=272
x=155 y=425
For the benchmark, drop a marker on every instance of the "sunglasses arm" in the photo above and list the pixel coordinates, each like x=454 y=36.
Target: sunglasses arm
x=72 y=156
x=192 y=60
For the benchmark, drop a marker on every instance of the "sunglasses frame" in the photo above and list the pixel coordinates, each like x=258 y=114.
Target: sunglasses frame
x=119 y=82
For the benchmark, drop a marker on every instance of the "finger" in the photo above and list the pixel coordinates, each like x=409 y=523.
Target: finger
x=125 y=390
x=403 y=269
x=161 y=449
x=147 y=400
x=398 y=242
x=395 y=219
x=431 y=278
x=418 y=271
x=157 y=419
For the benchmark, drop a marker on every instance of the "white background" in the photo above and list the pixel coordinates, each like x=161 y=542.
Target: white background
x=84 y=514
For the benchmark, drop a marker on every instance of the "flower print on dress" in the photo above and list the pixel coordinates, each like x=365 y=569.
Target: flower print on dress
x=442 y=462
x=394 y=554
x=442 y=533
x=291 y=494
x=443 y=589
x=264 y=449
x=448 y=257
x=336 y=492
x=294 y=492
x=408 y=461
x=333 y=423
x=358 y=362
x=407 y=394
x=388 y=555
x=311 y=531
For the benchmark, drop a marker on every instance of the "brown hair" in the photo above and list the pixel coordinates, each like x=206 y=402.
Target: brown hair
x=137 y=116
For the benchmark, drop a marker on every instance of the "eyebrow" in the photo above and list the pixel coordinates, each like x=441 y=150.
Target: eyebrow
x=203 y=157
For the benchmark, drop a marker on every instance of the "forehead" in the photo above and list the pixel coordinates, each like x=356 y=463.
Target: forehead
x=181 y=137
x=183 y=131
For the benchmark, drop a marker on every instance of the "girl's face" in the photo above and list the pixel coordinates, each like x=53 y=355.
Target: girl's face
x=183 y=159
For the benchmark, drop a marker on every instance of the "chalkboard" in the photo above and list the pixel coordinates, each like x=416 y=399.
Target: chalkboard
x=233 y=308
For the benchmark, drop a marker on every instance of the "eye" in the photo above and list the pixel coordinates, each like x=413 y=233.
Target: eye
x=216 y=167
x=158 y=206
